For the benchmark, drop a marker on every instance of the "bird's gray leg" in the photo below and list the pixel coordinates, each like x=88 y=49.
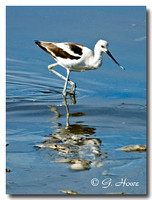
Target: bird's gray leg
x=66 y=82
x=52 y=65
x=55 y=72
x=73 y=85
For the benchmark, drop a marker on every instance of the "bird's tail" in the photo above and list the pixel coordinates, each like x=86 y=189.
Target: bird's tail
x=41 y=45
x=37 y=42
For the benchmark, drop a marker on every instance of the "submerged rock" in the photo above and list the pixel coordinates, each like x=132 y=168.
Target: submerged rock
x=97 y=164
x=96 y=150
x=70 y=192
x=92 y=141
x=121 y=193
x=74 y=141
x=63 y=160
x=76 y=164
x=80 y=164
x=67 y=148
x=133 y=148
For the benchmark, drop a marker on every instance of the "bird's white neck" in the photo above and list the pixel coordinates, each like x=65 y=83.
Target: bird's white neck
x=96 y=59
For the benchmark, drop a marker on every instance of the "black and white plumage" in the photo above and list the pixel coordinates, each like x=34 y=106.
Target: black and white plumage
x=75 y=57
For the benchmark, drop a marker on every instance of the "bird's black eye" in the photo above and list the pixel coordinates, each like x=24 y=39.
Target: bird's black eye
x=102 y=46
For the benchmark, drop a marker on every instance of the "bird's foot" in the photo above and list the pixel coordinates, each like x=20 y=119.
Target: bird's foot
x=50 y=68
x=72 y=97
x=71 y=93
x=73 y=87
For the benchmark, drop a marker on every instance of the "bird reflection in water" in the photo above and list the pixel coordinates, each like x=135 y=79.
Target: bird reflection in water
x=74 y=143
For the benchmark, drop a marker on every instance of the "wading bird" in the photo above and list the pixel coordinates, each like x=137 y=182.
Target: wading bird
x=75 y=57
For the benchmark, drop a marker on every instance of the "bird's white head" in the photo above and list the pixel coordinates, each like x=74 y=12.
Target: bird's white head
x=102 y=46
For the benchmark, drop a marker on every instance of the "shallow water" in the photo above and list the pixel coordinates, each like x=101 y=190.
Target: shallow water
x=110 y=103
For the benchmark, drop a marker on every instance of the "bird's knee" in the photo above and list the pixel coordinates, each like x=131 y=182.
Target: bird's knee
x=50 y=67
x=74 y=85
x=64 y=93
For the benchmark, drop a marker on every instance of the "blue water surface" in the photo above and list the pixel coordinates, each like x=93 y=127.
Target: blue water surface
x=110 y=102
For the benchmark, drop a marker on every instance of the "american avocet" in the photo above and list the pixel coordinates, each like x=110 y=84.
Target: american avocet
x=75 y=57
